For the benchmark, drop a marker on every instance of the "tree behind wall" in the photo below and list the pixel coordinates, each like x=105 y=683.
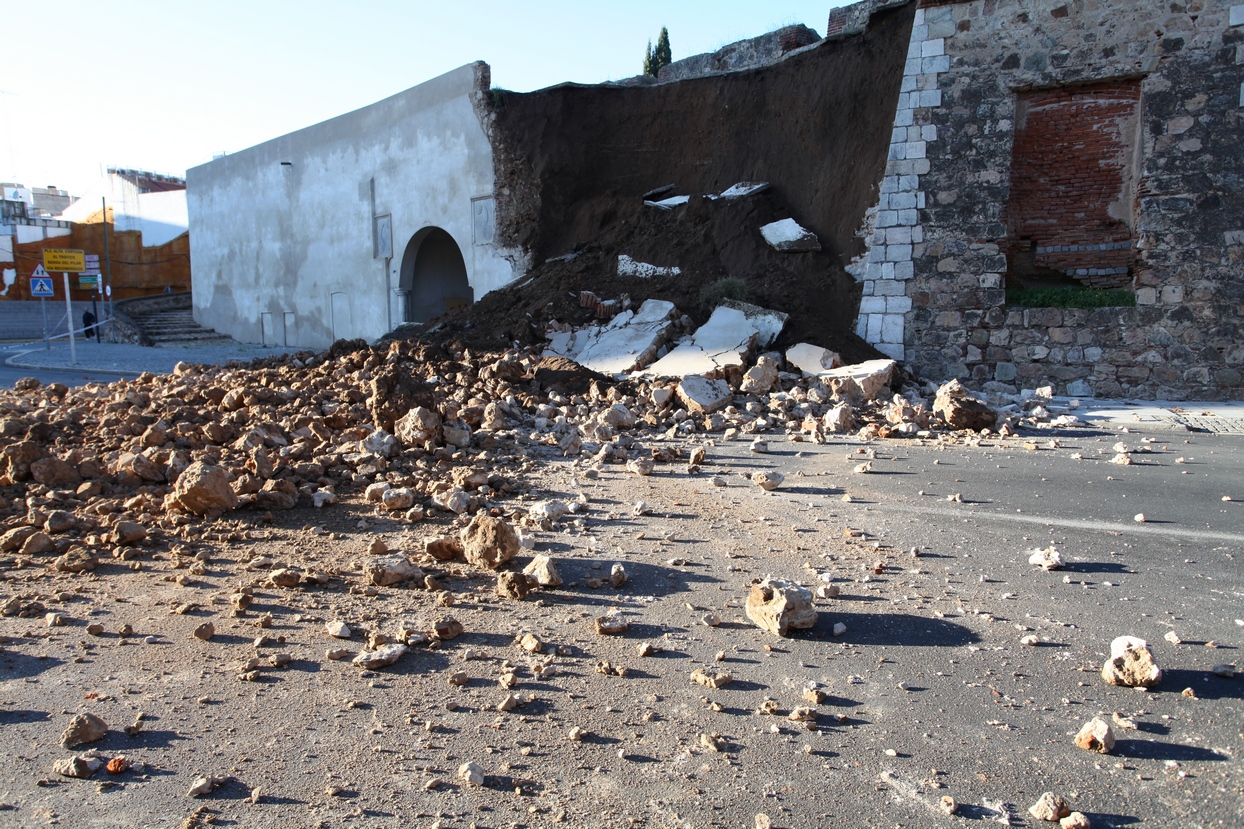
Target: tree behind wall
x=654 y=59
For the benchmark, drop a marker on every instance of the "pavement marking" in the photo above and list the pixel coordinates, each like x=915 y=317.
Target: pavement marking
x=1072 y=523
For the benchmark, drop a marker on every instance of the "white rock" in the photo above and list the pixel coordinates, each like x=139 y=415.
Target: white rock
x=543 y=572
x=703 y=396
x=338 y=630
x=1047 y=559
x=787 y=235
x=380 y=658
x=471 y=773
x=768 y=481
x=812 y=359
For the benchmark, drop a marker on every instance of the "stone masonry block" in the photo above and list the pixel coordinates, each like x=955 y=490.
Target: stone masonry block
x=873 y=334
x=897 y=304
x=932 y=66
x=873 y=305
x=933 y=48
x=1237 y=15
x=892 y=328
x=889 y=287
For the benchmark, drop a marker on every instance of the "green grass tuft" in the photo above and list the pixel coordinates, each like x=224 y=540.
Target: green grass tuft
x=1070 y=298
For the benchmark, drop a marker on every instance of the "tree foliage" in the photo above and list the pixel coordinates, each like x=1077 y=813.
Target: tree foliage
x=655 y=58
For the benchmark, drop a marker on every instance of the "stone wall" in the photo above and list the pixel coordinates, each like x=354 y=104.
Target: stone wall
x=936 y=269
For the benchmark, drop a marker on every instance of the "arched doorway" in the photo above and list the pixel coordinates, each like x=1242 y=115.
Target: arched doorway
x=433 y=276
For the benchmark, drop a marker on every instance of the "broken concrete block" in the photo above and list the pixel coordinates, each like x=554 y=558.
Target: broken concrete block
x=872 y=376
x=418 y=426
x=702 y=396
x=1131 y=664
x=743 y=189
x=669 y=203
x=789 y=236
x=776 y=605
x=812 y=359
x=960 y=411
x=630 y=341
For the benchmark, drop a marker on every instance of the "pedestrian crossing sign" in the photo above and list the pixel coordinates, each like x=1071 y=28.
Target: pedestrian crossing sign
x=40 y=283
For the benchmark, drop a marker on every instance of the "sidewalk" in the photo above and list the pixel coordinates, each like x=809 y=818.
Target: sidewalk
x=126 y=359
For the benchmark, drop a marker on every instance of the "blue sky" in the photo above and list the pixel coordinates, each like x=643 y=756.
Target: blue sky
x=166 y=85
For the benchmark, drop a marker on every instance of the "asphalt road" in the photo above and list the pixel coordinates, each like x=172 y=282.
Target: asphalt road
x=927 y=692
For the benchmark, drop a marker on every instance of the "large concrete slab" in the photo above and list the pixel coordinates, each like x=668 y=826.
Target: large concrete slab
x=729 y=337
x=629 y=341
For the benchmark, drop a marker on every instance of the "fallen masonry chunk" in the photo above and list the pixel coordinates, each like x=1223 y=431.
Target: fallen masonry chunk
x=82 y=729
x=768 y=481
x=617 y=575
x=204 y=785
x=1173 y=637
x=711 y=678
x=1131 y=664
x=1096 y=735
x=866 y=380
x=1047 y=559
x=447 y=627
x=338 y=630
x=442 y=547
x=611 y=625
x=398 y=499
x=1049 y=807
x=205 y=631
x=776 y=605
x=472 y=773
x=489 y=542
x=760 y=378
x=385 y=570
x=285 y=577
x=1223 y=670
x=531 y=643
x=640 y=466
x=960 y=411
x=789 y=236
x=1076 y=820
x=81 y=766
x=381 y=658
x=948 y=805
x=542 y=572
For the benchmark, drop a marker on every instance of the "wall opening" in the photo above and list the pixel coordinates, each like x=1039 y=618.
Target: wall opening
x=1071 y=215
x=433 y=276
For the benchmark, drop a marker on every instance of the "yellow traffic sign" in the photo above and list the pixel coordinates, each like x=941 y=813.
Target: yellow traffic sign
x=63 y=259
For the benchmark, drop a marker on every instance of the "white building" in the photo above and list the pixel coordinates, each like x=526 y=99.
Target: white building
x=352 y=226
x=151 y=203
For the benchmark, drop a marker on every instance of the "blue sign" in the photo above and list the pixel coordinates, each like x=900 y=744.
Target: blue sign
x=41 y=286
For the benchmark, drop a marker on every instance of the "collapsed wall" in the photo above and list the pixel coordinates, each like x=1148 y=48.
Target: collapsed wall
x=815 y=125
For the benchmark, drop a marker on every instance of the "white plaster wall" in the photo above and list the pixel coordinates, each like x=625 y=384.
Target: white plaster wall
x=285 y=253
x=160 y=217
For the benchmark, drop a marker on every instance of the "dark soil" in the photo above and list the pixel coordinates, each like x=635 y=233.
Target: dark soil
x=707 y=240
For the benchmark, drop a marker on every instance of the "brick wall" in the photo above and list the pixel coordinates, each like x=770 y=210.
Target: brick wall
x=1185 y=337
x=1072 y=199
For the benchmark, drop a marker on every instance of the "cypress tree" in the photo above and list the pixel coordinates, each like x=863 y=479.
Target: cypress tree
x=654 y=59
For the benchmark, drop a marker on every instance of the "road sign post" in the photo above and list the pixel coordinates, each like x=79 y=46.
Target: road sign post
x=41 y=286
x=73 y=347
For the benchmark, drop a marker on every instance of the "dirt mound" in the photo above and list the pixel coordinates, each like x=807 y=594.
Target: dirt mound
x=707 y=240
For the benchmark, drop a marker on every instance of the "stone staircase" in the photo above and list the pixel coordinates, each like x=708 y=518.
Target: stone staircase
x=176 y=327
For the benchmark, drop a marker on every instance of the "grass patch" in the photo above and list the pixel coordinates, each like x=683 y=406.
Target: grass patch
x=1070 y=298
x=731 y=287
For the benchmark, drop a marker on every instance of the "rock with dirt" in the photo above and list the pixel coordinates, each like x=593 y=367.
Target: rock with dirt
x=383 y=571
x=1049 y=807
x=489 y=542
x=512 y=585
x=203 y=488
x=1096 y=735
x=1131 y=664
x=82 y=729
